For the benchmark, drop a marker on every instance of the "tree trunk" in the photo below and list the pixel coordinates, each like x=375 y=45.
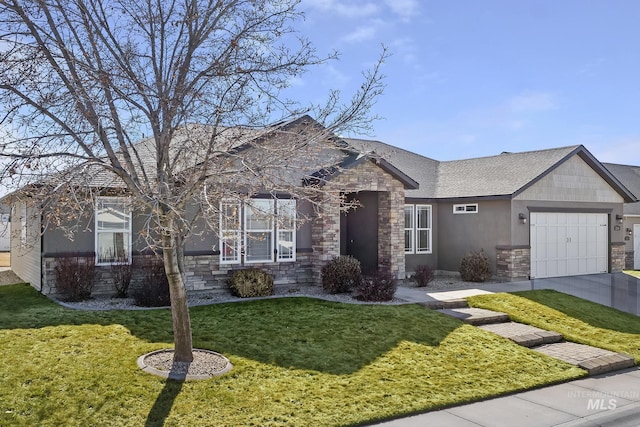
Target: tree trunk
x=179 y=309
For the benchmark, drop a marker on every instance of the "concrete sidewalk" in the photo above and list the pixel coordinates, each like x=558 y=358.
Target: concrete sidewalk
x=604 y=400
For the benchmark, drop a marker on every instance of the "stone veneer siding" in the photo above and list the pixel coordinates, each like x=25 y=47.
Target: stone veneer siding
x=629 y=261
x=203 y=273
x=326 y=227
x=617 y=257
x=513 y=262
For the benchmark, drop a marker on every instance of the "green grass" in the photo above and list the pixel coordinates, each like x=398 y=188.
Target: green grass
x=297 y=361
x=578 y=320
x=634 y=273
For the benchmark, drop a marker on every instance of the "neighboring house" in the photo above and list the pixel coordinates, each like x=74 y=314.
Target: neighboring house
x=630 y=177
x=536 y=214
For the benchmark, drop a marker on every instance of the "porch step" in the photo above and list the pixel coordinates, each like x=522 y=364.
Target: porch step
x=476 y=316
x=594 y=360
x=524 y=335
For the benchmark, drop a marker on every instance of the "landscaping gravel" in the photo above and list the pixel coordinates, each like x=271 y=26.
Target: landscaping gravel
x=205 y=298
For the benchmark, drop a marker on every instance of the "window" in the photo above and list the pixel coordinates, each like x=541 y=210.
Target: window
x=258 y=225
x=286 y=229
x=113 y=230
x=266 y=233
x=417 y=229
x=230 y=232
x=23 y=224
x=465 y=209
x=408 y=228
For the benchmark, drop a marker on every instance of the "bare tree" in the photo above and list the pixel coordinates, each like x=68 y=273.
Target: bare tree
x=199 y=82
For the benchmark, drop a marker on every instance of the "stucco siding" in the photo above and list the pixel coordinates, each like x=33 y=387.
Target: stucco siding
x=25 y=243
x=572 y=181
x=458 y=234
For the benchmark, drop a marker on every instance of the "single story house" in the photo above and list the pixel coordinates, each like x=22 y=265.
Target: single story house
x=630 y=177
x=535 y=214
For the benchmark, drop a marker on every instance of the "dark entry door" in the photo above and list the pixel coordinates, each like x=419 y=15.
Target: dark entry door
x=359 y=231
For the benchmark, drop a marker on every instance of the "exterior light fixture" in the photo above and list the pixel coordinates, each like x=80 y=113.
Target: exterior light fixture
x=619 y=219
x=522 y=217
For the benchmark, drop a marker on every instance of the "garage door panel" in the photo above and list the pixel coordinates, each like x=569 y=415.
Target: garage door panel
x=568 y=243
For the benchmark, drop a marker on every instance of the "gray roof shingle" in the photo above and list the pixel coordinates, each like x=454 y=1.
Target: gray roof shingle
x=629 y=176
x=503 y=175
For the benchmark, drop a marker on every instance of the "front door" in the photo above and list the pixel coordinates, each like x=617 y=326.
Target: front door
x=359 y=231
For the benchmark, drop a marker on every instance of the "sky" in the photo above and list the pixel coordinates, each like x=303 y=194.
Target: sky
x=472 y=78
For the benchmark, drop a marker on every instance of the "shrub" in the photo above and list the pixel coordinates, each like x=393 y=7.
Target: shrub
x=423 y=275
x=251 y=283
x=379 y=287
x=341 y=274
x=121 y=272
x=75 y=277
x=474 y=267
x=153 y=289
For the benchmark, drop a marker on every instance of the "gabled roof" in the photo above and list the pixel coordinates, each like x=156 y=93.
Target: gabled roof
x=629 y=176
x=501 y=176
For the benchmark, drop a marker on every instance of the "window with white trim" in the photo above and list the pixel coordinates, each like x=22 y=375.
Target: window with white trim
x=417 y=229
x=409 y=231
x=23 y=224
x=113 y=230
x=260 y=230
x=230 y=232
x=258 y=226
x=286 y=229
x=465 y=209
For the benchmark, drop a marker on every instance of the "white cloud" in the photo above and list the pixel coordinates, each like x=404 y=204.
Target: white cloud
x=406 y=9
x=350 y=10
x=361 y=34
x=532 y=101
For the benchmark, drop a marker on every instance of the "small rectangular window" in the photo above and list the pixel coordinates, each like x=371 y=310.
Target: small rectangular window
x=465 y=209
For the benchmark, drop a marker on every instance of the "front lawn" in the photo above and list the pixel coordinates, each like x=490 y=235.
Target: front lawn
x=578 y=320
x=297 y=361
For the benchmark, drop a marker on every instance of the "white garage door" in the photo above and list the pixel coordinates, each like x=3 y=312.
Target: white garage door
x=566 y=244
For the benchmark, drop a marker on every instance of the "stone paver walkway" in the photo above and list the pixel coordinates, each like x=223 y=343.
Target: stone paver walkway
x=593 y=360
x=524 y=335
x=476 y=316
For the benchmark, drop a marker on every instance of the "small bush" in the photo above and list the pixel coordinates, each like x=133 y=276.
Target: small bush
x=75 y=277
x=121 y=272
x=474 y=267
x=379 y=287
x=341 y=274
x=251 y=283
x=153 y=289
x=423 y=275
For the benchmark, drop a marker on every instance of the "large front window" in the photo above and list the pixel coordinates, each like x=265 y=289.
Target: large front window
x=113 y=230
x=258 y=224
x=417 y=229
x=261 y=230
